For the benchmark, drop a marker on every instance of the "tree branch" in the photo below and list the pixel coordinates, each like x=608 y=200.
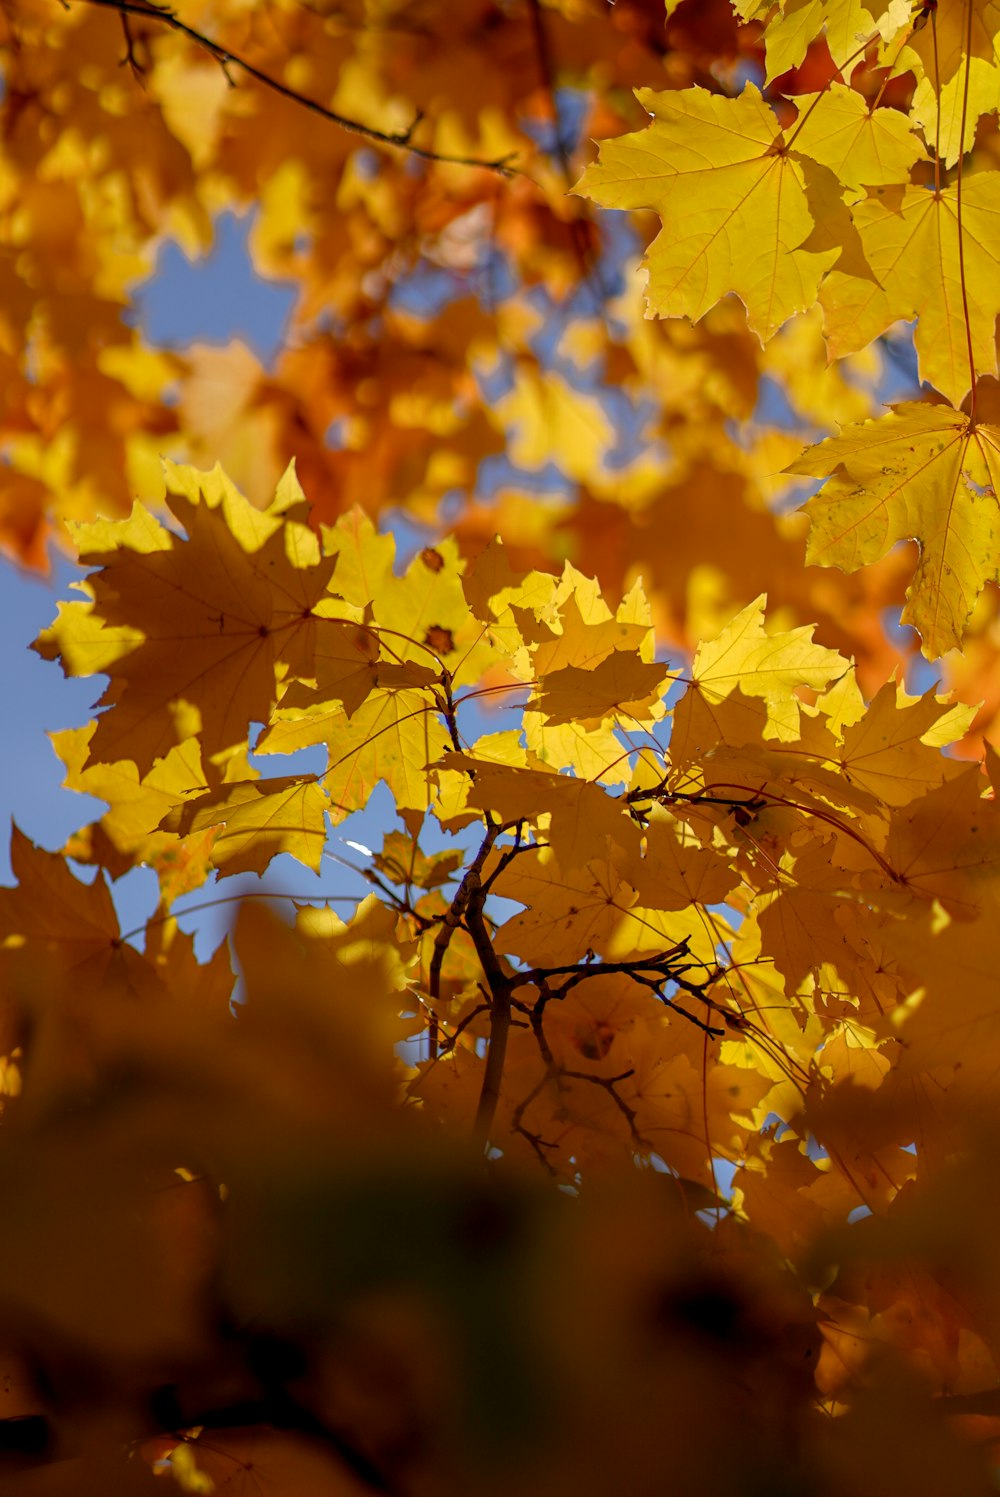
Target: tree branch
x=499 y=985
x=398 y=139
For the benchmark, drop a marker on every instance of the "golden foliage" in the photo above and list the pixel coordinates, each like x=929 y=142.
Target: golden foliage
x=634 y=1130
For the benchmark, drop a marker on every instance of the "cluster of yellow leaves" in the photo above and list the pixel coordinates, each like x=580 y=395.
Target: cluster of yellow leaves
x=728 y=913
x=823 y=210
x=421 y=280
x=750 y=904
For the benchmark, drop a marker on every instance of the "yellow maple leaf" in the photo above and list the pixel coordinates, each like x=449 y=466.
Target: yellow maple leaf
x=584 y=631
x=811 y=918
x=193 y=632
x=394 y=736
x=911 y=243
x=127 y=833
x=688 y=1114
x=864 y=147
x=945 y=69
x=676 y=871
x=566 y=913
x=345 y=662
x=948 y=1024
x=66 y=929
x=620 y=686
x=580 y=821
x=258 y=819
x=945 y=845
x=509 y=603
x=895 y=750
x=771 y=667
x=922 y=471
x=740 y=212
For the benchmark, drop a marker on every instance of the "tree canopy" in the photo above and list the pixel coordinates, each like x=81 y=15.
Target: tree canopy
x=621 y=506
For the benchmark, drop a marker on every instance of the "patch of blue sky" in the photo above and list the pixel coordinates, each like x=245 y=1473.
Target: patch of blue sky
x=559 y=136
x=39 y=701
x=427 y=290
x=214 y=299
x=773 y=407
x=497 y=473
x=900 y=376
x=776 y=1125
x=724 y=1171
x=630 y=421
x=921 y=674
x=31 y=776
x=496 y=380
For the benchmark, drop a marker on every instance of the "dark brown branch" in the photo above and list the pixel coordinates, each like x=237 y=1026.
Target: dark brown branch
x=397 y=139
x=535 y=1140
x=608 y=1084
x=130 y=59
x=499 y=991
x=508 y=854
x=461 y=1026
x=446 y=706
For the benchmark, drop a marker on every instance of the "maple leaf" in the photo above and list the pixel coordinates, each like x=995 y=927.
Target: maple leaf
x=947 y=1023
x=402 y=862
x=676 y=871
x=812 y=919
x=345 y=662
x=193 y=632
x=567 y=912
x=957 y=82
x=740 y=212
x=945 y=845
x=127 y=833
x=923 y=471
x=621 y=686
x=863 y=147
x=911 y=244
x=676 y=1107
x=51 y=917
x=894 y=750
x=258 y=819
x=581 y=821
x=744 y=661
x=393 y=736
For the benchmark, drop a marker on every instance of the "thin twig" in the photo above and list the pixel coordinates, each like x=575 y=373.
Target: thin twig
x=398 y=139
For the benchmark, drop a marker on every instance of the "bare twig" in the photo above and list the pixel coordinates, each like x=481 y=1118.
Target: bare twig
x=397 y=139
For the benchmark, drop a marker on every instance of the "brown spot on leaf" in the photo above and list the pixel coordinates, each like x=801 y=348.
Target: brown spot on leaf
x=432 y=559
x=439 y=639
